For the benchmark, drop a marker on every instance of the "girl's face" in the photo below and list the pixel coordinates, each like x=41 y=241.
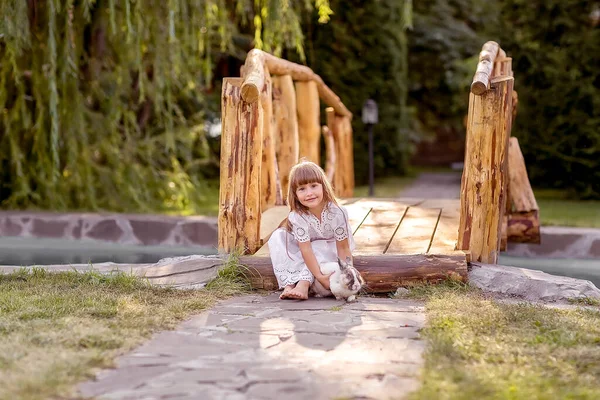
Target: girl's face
x=310 y=195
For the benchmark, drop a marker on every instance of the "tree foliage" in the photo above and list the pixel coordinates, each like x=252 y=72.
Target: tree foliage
x=362 y=53
x=443 y=50
x=555 y=46
x=103 y=102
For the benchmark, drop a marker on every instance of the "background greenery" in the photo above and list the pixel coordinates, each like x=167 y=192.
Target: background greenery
x=106 y=105
x=555 y=47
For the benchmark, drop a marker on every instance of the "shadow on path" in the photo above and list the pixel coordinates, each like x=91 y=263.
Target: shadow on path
x=258 y=347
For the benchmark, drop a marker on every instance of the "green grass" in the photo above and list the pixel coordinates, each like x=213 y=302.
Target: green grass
x=57 y=329
x=387 y=187
x=479 y=348
x=557 y=209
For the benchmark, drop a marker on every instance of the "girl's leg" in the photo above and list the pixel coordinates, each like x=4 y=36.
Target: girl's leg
x=300 y=292
x=286 y=292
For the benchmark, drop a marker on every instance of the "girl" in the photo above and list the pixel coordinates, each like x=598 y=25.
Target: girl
x=317 y=231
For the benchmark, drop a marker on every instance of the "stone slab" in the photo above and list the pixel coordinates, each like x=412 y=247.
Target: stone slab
x=258 y=347
x=529 y=284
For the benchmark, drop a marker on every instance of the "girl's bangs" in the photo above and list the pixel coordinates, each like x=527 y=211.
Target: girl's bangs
x=306 y=174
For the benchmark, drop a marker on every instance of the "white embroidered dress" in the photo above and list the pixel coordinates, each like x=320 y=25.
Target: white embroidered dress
x=288 y=263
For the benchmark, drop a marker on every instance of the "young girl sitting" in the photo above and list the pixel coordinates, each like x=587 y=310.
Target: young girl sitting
x=317 y=232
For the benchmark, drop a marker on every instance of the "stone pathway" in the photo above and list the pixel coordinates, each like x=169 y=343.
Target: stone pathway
x=258 y=347
x=435 y=186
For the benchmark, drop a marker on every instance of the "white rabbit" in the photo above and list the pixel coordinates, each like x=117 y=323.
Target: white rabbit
x=345 y=282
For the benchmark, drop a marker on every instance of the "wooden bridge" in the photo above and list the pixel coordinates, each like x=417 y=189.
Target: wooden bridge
x=270 y=118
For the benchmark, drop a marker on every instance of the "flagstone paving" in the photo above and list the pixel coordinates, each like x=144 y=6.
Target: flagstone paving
x=258 y=347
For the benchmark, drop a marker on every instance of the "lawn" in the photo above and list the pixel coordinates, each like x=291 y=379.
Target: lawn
x=557 y=209
x=386 y=187
x=506 y=351
x=56 y=329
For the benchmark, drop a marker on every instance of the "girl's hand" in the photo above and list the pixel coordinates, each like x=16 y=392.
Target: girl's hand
x=324 y=280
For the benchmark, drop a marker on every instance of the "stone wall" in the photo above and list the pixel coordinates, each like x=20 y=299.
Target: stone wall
x=136 y=229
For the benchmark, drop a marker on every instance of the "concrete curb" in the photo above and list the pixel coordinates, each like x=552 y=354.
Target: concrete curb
x=561 y=242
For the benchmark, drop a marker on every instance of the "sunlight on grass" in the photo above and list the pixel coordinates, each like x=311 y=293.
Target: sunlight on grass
x=479 y=348
x=57 y=329
x=558 y=210
x=388 y=187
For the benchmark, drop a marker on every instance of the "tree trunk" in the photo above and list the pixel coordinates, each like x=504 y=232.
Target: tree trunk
x=269 y=193
x=309 y=128
x=241 y=154
x=286 y=128
x=484 y=180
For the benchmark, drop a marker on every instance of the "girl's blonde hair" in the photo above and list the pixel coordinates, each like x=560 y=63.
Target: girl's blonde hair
x=308 y=172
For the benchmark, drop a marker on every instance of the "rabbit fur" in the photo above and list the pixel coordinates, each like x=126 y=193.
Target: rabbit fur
x=345 y=282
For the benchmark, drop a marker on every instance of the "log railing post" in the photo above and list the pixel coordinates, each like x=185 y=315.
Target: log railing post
x=349 y=154
x=484 y=180
x=286 y=128
x=270 y=187
x=309 y=127
x=240 y=168
x=523 y=221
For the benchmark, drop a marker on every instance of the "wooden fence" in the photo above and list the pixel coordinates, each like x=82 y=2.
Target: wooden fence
x=497 y=204
x=270 y=119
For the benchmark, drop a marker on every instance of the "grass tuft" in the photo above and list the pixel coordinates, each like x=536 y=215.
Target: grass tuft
x=57 y=329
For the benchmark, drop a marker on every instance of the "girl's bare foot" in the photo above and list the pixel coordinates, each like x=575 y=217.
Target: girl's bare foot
x=286 y=292
x=300 y=292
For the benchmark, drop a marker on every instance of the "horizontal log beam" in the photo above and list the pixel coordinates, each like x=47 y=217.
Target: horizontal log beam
x=382 y=273
x=485 y=68
x=253 y=75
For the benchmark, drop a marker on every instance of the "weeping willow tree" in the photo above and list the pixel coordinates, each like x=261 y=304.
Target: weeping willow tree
x=103 y=102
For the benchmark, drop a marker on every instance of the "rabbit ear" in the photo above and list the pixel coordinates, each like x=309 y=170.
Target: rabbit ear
x=342 y=264
x=348 y=261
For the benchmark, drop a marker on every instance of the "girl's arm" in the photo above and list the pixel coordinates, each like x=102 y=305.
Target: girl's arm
x=343 y=249
x=313 y=264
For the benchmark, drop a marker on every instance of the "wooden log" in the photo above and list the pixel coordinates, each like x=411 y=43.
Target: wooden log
x=504 y=237
x=330 y=152
x=484 y=68
x=342 y=130
x=269 y=186
x=278 y=66
x=240 y=168
x=253 y=73
x=286 y=128
x=335 y=128
x=309 y=128
x=484 y=180
x=521 y=193
x=524 y=227
x=515 y=97
x=254 y=77
x=382 y=274
x=349 y=154
x=502 y=66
